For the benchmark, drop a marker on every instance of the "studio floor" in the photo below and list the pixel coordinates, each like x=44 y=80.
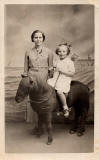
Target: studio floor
x=18 y=139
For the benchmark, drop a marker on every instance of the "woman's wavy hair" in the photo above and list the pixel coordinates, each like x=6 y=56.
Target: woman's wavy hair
x=36 y=31
x=64 y=44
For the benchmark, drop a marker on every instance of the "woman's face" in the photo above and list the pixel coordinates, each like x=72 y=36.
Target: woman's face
x=62 y=51
x=38 y=39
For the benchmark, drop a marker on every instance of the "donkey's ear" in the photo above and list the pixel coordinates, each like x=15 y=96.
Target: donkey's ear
x=23 y=76
x=31 y=81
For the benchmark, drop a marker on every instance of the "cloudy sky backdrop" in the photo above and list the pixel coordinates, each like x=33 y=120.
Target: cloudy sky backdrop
x=60 y=23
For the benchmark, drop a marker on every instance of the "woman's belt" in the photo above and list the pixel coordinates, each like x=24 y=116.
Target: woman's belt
x=36 y=69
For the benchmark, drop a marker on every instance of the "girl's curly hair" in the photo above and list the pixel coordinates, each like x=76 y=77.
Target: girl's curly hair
x=64 y=44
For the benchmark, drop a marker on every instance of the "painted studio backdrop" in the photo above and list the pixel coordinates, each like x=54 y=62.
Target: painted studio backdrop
x=60 y=23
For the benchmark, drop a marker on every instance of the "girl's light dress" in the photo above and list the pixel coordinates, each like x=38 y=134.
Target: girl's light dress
x=60 y=81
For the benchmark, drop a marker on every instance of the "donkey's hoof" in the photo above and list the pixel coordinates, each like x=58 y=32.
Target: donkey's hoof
x=79 y=134
x=49 y=142
x=72 y=131
x=38 y=135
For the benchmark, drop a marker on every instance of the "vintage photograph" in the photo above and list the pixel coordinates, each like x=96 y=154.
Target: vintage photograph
x=49 y=78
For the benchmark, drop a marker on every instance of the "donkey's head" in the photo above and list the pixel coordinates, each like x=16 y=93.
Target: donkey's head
x=33 y=87
x=23 y=89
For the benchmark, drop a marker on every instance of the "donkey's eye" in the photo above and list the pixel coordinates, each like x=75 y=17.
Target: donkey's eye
x=31 y=82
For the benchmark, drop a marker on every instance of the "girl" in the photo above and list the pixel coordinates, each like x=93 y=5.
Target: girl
x=63 y=74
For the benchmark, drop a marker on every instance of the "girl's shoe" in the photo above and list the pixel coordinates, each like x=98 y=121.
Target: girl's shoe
x=66 y=113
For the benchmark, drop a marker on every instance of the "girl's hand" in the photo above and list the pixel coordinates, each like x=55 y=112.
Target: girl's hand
x=60 y=71
x=67 y=74
x=57 y=69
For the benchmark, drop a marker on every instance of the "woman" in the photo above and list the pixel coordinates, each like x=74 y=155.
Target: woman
x=38 y=64
x=39 y=59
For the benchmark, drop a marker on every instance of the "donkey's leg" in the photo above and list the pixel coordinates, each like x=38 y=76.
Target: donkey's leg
x=81 y=127
x=35 y=128
x=75 y=123
x=40 y=130
x=48 y=122
x=82 y=121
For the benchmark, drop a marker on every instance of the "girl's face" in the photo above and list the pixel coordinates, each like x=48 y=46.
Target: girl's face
x=38 y=39
x=62 y=52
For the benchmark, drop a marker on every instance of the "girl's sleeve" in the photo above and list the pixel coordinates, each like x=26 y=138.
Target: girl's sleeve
x=26 y=65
